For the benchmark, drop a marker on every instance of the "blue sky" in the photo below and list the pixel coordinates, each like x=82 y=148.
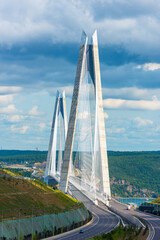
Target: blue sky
x=39 y=47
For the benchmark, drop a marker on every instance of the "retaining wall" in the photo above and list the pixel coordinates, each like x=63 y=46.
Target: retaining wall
x=20 y=228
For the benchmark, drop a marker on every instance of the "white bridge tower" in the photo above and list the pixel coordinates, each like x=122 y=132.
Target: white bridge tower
x=85 y=161
x=57 y=139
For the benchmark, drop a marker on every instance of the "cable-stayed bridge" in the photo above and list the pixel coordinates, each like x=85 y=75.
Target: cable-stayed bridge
x=77 y=155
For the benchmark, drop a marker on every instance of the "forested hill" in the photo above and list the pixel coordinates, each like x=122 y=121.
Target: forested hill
x=18 y=156
x=5 y=153
x=135 y=173
x=131 y=173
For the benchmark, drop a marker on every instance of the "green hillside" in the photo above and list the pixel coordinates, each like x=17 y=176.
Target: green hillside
x=31 y=198
x=135 y=173
x=132 y=174
x=18 y=157
x=157 y=201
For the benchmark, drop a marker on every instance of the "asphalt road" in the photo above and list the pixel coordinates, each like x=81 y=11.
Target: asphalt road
x=102 y=221
x=153 y=220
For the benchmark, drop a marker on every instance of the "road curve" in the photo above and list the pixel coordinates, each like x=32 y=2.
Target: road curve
x=154 y=221
x=102 y=221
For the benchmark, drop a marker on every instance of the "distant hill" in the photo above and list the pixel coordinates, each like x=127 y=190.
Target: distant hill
x=18 y=157
x=135 y=173
x=7 y=153
x=132 y=174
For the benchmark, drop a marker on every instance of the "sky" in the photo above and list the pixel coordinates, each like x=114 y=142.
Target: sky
x=39 y=47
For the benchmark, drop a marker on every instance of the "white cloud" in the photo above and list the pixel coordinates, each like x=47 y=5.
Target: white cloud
x=142 y=122
x=132 y=104
x=16 y=118
x=106 y=115
x=9 y=109
x=23 y=20
x=4 y=99
x=135 y=25
x=24 y=129
x=68 y=90
x=116 y=130
x=158 y=128
x=149 y=66
x=83 y=115
x=13 y=128
x=5 y=90
x=42 y=126
x=34 y=111
x=21 y=130
x=131 y=93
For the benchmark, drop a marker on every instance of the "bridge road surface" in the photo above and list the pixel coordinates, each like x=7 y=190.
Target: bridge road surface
x=153 y=220
x=102 y=221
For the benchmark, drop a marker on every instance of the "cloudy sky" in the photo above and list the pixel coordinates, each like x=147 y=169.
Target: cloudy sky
x=39 y=47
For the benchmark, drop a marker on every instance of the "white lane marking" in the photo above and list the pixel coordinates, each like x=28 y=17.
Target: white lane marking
x=84 y=228
x=145 y=217
x=137 y=219
x=151 y=236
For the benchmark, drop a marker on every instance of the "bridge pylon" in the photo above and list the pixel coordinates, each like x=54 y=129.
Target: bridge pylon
x=85 y=161
x=57 y=139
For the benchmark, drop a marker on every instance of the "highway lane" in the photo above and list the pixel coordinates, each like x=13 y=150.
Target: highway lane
x=102 y=222
x=154 y=224
x=153 y=220
x=121 y=210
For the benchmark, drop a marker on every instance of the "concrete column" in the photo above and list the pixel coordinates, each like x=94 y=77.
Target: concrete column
x=101 y=124
x=73 y=117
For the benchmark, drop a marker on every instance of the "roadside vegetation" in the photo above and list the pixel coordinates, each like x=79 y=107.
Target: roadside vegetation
x=157 y=201
x=124 y=233
x=26 y=198
x=22 y=172
x=152 y=207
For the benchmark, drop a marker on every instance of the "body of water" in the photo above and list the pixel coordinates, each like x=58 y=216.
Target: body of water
x=137 y=201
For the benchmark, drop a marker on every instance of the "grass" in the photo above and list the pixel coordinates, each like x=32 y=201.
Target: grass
x=30 y=198
x=124 y=233
x=156 y=201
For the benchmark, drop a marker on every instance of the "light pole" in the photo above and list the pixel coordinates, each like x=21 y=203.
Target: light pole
x=19 y=225
x=32 y=223
x=2 y=224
